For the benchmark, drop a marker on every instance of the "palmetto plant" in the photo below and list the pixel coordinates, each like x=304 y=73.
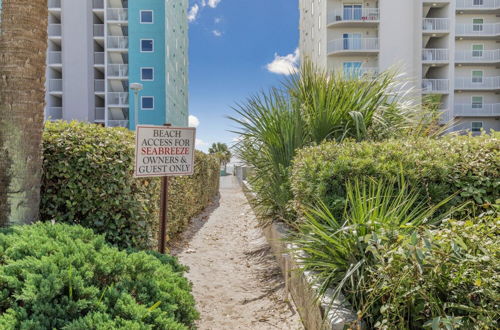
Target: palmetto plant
x=338 y=250
x=311 y=107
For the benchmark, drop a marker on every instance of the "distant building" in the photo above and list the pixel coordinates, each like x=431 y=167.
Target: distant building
x=450 y=48
x=97 y=48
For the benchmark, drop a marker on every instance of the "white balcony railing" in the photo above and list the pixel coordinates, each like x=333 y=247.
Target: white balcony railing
x=98 y=30
x=99 y=85
x=55 y=85
x=435 y=24
x=485 y=29
x=115 y=42
x=353 y=44
x=99 y=114
x=118 y=99
x=477 y=56
x=118 y=123
x=354 y=15
x=98 y=4
x=435 y=55
x=117 y=14
x=55 y=58
x=118 y=70
x=435 y=85
x=474 y=110
x=99 y=58
x=478 y=4
x=53 y=113
x=54 y=4
x=55 y=30
x=477 y=83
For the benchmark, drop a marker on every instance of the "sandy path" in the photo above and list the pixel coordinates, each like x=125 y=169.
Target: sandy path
x=236 y=282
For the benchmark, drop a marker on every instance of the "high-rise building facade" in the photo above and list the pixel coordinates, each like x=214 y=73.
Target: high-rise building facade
x=98 y=48
x=446 y=47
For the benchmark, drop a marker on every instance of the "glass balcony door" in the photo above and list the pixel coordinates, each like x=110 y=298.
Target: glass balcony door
x=352 y=40
x=353 y=12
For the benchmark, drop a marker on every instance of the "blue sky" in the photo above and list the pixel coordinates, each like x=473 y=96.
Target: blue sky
x=233 y=46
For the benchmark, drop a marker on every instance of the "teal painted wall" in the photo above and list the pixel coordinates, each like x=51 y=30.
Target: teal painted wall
x=169 y=60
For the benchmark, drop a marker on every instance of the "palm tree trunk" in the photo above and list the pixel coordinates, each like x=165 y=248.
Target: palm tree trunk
x=23 y=46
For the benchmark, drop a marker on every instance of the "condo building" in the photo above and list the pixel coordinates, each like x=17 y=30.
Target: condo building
x=98 y=48
x=449 y=48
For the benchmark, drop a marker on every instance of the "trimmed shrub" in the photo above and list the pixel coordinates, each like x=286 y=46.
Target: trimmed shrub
x=438 y=168
x=66 y=277
x=88 y=180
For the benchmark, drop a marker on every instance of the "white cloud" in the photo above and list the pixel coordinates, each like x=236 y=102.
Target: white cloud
x=200 y=144
x=193 y=121
x=217 y=33
x=285 y=65
x=213 y=3
x=217 y=20
x=203 y=3
x=193 y=13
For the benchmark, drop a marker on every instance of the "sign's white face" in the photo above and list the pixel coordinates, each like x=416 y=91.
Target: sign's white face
x=164 y=151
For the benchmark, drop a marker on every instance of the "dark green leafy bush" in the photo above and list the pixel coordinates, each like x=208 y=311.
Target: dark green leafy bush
x=446 y=278
x=66 y=277
x=88 y=180
x=438 y=168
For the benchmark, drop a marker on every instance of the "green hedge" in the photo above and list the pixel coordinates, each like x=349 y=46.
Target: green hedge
x=66 y=277
x=88 y=180
x=437 y=167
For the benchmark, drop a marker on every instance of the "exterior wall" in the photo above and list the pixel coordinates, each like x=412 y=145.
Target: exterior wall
x=155 y=60
x=77 y=60
x=176 y=27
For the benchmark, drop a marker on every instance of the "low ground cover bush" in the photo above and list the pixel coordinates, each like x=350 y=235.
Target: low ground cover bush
x=88 y=180
x=398 y=268
x=436 y=168
x=66 y=277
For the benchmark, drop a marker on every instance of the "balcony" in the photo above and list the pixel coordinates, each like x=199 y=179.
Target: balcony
x=53 y=113
x=351 y=17
x=118 y=123
x=478 y=56
x=118 y=99
x=118 y=43
x=99 y=114
x=435 y=25
x=99 y=58
x=55 y=30
x=117 y=14
x=435 y=55
x=477 y=83
x=54 y=58
x=477 y=110
x=99 y=30
x=353 y=46
x=486 y=30
x=471 y=6
x=54 y=4
x=117 y=70
x=55 y=85
x=435 y=86
x=99 y=86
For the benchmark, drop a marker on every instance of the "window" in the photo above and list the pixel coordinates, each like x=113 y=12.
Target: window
x=476 y=126
x=478 y=3
x=477 y=24
x=477 y=102
x=147 y=103
x=147 y=74
x=352 y=69
x=477 y=77
x=146 y=17
x=147 y=45
x=352 y=12
x=352 y=40
x=477 y=50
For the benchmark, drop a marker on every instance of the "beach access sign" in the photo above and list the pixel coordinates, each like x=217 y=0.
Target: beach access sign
x=164 y=151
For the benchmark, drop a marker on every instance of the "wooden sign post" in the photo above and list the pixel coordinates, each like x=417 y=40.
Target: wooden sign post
x=164 y=151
